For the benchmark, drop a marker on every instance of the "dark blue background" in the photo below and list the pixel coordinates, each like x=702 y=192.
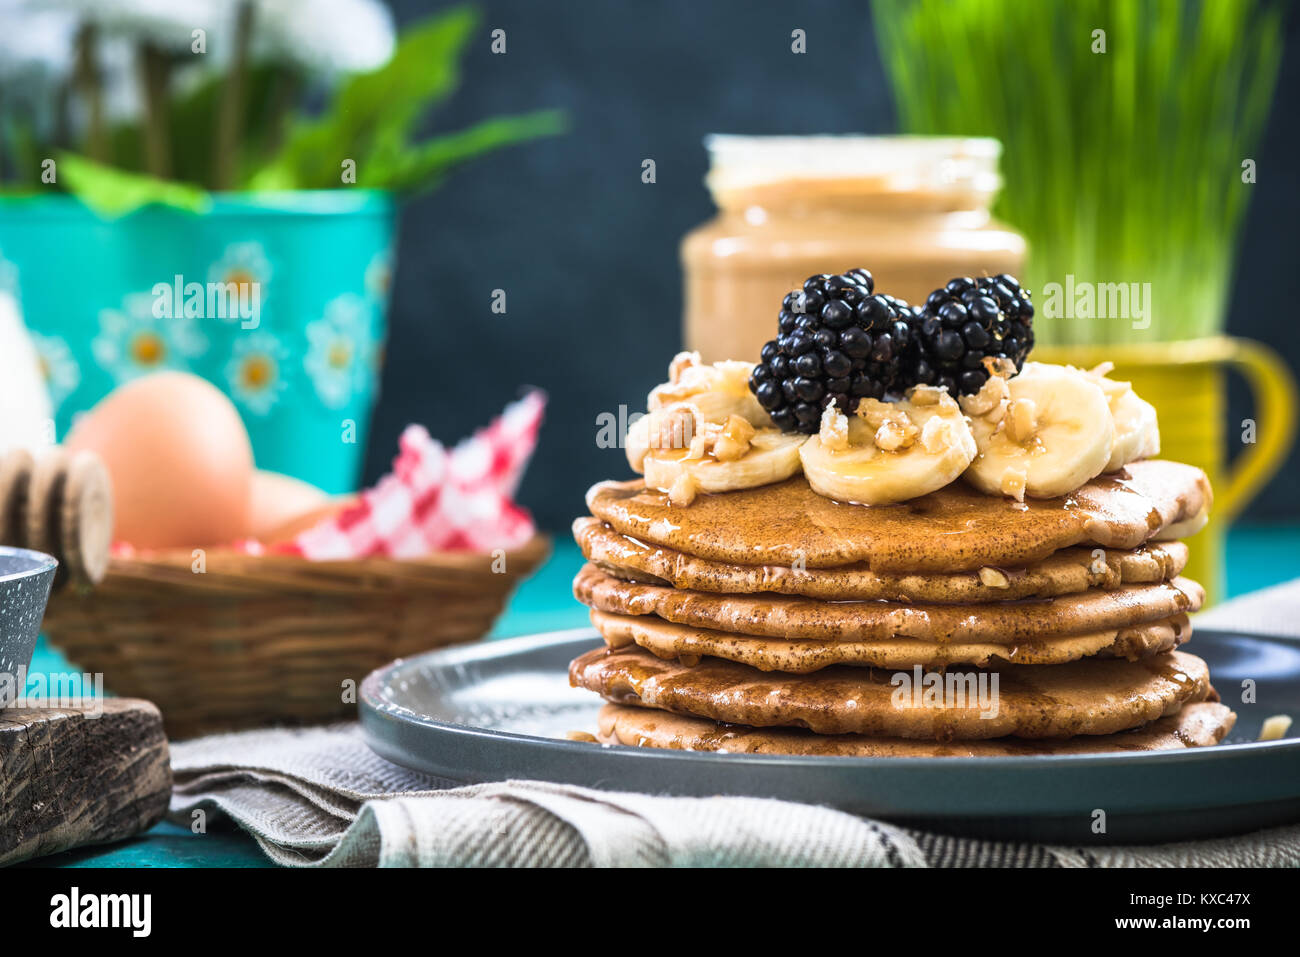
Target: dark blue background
x=587 y=253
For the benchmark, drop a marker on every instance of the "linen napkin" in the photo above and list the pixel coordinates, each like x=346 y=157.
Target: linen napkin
x=320 y=797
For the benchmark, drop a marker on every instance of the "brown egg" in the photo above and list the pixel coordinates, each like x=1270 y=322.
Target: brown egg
x=179 y=457
x=279 y=501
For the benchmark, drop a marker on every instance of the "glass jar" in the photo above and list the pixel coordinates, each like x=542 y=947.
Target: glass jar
x=912 y=209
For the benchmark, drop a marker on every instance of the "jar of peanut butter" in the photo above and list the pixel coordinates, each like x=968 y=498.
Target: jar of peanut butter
x=914 y=210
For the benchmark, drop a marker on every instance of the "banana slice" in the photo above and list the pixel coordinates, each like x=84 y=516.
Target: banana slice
x=1137 y=433
x=889 y=452
x=770 y=456
x=717 y=390
x=1042 y=433
x=705 y=432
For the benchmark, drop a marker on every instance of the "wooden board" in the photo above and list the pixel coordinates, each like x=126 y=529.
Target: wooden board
x=68 y=778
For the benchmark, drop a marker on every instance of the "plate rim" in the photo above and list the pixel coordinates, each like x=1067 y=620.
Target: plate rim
x=369 y=703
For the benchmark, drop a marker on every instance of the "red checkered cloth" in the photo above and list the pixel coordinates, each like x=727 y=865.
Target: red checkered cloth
x=436 y=500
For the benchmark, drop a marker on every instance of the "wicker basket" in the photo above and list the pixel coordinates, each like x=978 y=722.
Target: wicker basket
x=257 y=640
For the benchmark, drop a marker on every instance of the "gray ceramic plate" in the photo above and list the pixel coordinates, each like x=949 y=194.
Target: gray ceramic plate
x=499 y=710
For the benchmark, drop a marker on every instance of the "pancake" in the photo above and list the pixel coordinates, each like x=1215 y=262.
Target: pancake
x=781 y=616
x=1194 y=726
x=793 y=656
x=1091 y=696
x=1066 y=572
x=954 y=529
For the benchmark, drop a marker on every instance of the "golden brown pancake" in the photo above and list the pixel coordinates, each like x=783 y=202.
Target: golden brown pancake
x=795 y=656
x=782 y=616
x=954 y=529
x=1194 y=726
x=1066 y=572
x=1091 y=696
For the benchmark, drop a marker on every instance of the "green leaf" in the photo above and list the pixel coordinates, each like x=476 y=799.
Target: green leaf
x=373 y=109
x=423 y=166
x=114 y=192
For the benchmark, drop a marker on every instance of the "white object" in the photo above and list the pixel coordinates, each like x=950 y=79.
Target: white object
x=26 y=413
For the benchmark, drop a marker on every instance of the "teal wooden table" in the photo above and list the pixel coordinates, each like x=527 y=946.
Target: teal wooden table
x=1257 y=557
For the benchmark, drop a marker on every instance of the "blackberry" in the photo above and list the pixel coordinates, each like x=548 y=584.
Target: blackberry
x=961 y=325
x=837 y=341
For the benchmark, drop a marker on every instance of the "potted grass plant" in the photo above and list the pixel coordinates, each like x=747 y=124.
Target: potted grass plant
x=213 y=186
x=1128 y=131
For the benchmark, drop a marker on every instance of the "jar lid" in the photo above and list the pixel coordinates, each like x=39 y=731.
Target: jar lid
x=885 y=164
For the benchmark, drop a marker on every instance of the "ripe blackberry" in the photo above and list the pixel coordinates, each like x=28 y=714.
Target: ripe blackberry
x=965 y=322
x=837 y=342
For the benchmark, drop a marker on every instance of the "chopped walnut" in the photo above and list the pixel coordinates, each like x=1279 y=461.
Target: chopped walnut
x=681 y=362
x=1275 y=727
x=1013 y=484
x=937 y=436
x=675 y=427
x=688 y=661
x=834 y=431
x=923 y=395
x=684 y=489
x=1022 y=420
x=893 y=435
x=999 y=366
x=991 y=395
x=994 y=578
x=732 y=442
x=874 y=412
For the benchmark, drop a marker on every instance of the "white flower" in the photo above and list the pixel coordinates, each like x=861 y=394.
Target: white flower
x=58 y=367
x=35 y=43
x=379 y=276
x=254 y=371
x=243 y=264
x=339 y=350
x=326 y=36
x=8 y=276
x=132 y=341
x=168 y=24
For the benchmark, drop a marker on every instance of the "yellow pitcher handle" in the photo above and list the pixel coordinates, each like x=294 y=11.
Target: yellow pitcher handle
x=1274 y=389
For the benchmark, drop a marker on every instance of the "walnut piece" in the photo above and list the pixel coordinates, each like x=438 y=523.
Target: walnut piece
x=993 y=577
x=1013 y=484
x=1022 y=420
x=834 y=431
x=683 y=490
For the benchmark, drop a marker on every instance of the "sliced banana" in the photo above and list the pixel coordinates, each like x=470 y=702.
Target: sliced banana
x=717 y=390
x=889 y=452
x=1042 y=433
x=705 y=432
x=1137 y=432
x=771 y=456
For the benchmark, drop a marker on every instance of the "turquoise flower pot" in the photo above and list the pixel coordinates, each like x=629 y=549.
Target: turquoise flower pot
x=298 y=348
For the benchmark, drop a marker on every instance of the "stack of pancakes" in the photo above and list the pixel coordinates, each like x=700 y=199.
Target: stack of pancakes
x=774 y=620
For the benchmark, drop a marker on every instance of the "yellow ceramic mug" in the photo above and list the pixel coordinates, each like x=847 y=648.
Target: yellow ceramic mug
x=1186 y=382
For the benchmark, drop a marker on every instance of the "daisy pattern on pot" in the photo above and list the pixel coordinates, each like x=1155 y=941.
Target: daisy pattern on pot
x=58 y=366
x=132 y=341
x=340 y=350
x=242 y=264
x=379 y=277
x=254 y=371
x=8 y=276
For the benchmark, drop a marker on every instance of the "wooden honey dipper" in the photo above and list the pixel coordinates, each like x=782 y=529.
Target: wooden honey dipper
x=59 y=503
